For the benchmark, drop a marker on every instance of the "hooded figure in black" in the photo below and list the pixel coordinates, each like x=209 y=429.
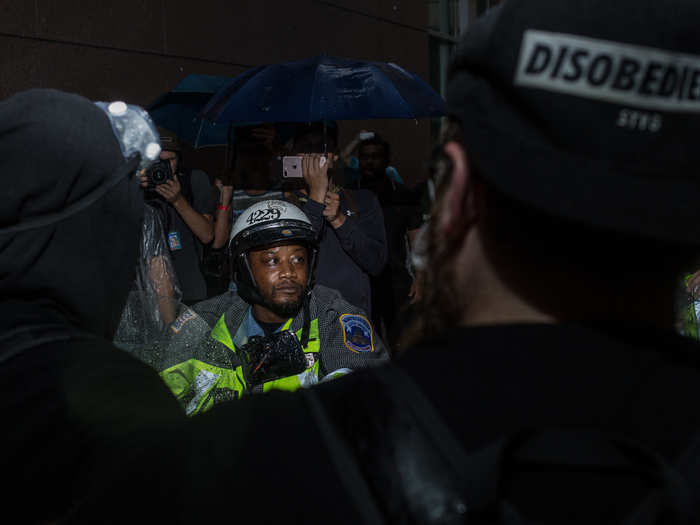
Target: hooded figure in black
x=77 y=411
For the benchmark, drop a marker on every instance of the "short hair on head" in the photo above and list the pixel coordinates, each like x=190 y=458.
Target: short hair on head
x=303 y=128
x=376 y=141
x=169 y=140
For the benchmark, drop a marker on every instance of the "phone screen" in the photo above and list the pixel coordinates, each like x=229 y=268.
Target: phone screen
x=291 y=167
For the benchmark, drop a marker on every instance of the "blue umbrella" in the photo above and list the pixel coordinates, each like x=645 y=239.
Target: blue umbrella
x=324 y=88
x=178 y=110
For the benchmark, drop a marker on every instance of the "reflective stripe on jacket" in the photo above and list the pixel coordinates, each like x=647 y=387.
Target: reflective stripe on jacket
x=201 y=383
x=200 y=364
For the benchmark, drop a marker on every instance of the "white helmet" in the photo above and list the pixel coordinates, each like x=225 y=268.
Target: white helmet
x=267 y=222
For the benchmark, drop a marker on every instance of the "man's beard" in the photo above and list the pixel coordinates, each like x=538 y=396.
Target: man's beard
x=285 y=308
x=441 y=306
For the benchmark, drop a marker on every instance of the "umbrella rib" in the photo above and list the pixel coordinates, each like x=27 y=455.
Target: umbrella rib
x=313 y=91
x=409 y=111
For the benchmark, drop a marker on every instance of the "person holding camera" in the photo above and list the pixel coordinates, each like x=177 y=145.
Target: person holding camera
x=186 y=201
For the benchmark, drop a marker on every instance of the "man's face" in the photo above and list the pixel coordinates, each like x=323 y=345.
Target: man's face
x=171 y=157
x=280 y=271
x=373 y=161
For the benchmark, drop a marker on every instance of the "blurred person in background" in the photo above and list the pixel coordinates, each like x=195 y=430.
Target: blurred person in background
x=402 y=218
x=350 y=157
x=349 y=223
x=185 y=198
x=254 y=176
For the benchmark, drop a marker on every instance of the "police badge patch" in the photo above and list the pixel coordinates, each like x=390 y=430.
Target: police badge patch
x=357 y=333
x=181 y=321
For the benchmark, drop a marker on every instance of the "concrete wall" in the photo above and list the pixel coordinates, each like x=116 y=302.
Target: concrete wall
x=134 y=50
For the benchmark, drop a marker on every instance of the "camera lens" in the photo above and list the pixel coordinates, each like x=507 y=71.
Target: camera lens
x=158 y=176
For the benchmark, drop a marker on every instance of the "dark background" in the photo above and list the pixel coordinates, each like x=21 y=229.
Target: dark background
x=134 y=50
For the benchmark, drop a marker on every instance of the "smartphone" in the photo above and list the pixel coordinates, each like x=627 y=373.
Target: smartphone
x=366 y=135
x=291 y=167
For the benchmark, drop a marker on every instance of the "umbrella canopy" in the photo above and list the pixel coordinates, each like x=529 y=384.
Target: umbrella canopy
x=324 y=88
x=178 y=110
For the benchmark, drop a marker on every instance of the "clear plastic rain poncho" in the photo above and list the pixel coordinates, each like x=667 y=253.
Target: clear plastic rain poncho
x=154 y=301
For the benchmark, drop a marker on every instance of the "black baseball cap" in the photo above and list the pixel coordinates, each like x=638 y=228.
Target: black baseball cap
x=587 y=110
x=169 y=141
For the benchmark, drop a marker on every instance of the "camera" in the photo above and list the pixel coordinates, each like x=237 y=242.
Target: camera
x=266 y=358
x=159 y=173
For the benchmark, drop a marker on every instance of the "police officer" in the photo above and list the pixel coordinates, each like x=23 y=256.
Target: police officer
x=273 y=249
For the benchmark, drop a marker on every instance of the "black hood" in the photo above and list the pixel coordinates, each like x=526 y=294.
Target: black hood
x=63 y=246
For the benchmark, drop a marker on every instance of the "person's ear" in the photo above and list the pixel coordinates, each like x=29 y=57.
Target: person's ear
x=458 y=206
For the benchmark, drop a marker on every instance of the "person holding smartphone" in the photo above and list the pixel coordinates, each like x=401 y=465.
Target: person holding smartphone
x=349 y=223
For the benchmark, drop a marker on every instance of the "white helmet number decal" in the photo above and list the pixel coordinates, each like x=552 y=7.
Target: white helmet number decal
x=269 y=214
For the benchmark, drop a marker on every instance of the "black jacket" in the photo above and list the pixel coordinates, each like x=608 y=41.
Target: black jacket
x=83 y=422
x=485 y=383
x=351 y=254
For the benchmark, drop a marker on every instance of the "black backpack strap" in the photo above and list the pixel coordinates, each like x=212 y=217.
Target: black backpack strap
x=686 y=499
x=440 y=458
x=344 y=461
x=688 y=465
x=441 y=483
x=587 y=450
x=481 y=475
x=14 y=342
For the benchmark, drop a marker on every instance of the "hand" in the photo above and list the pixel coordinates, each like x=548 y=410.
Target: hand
x=315 y=175
x=416 y=291
x=332 y=211
x=352 y=146
x=170 y=190
x=693 y=284
x=143 y=178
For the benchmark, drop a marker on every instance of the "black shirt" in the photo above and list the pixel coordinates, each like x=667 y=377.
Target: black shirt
x=631 y=380
x=185 y=248
x=488 y=382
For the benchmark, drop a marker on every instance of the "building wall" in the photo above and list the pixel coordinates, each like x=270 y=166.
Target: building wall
x=134 y=50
